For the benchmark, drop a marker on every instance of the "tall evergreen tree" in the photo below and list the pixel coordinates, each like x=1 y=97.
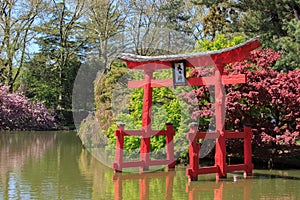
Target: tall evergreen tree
x=277 y=22
x=175 y=16
x=220 y=18
x=53 y=69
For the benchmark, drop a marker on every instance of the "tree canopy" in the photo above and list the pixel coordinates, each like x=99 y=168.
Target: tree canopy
x=43 y=43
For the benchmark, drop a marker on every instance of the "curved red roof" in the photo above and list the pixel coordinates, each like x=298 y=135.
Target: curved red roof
x=221 y=57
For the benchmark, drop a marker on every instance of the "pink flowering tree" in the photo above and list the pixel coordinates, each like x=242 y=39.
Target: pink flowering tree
x=18 y=113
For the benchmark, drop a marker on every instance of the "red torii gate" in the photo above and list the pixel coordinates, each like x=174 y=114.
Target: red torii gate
x=149 y=64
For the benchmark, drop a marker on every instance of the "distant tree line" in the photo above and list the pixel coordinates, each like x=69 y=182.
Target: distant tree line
x=43 y=43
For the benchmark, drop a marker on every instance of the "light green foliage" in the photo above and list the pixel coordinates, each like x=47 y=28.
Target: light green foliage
x=220 y=42
x=104 y=89
x=165 y=108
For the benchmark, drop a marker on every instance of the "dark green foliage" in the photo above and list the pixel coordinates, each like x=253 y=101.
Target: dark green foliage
x=290 y=47
x=104 y=91
x=221 y=17
x=278 y=24
x=176 y=18
x=39 y=82
x=44 y=82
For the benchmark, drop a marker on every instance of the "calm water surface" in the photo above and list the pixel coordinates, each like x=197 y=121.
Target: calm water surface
x=53 y=165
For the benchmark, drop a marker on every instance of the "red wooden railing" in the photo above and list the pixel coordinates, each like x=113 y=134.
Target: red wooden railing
x=220 y=168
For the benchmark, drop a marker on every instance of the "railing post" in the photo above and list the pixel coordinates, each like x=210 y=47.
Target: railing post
x=119 y=133
x=248 y=150
x=194 y=149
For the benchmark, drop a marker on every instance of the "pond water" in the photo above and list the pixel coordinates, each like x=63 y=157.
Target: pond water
x=54 y=165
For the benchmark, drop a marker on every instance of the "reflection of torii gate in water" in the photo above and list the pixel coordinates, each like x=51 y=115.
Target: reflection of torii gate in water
x=219 y=190
x=147 y=183
x=144 y=183
x=219 y=59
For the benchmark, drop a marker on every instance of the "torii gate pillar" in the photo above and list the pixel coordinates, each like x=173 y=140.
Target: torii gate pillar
x=146 y=119
x=220 y=154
